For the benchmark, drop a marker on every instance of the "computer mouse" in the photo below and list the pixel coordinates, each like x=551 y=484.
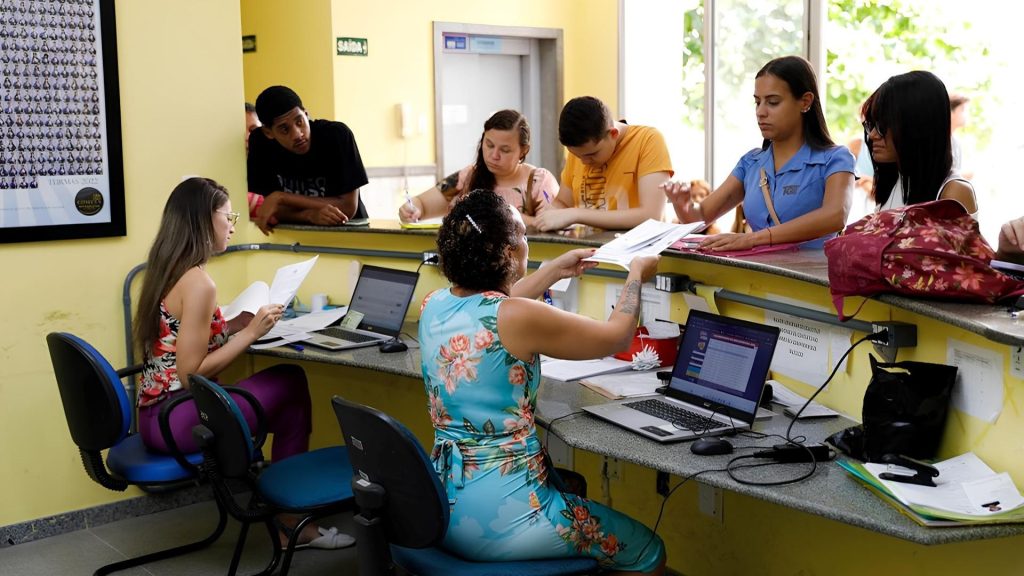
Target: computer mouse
x=711 y=446
x=394 y=345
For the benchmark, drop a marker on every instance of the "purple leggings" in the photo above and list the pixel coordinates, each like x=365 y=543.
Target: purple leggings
x=283 y=392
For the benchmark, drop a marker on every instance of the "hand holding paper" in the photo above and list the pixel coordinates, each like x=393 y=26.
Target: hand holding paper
x=286 y=283
x=648 y=239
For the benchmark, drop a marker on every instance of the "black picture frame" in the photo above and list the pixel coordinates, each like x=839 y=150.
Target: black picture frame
x=61 y=158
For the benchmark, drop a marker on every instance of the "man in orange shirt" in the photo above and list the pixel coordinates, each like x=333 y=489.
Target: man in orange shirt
x=612 y=175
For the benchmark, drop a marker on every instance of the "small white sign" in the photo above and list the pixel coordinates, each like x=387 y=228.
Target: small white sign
x=979 y=380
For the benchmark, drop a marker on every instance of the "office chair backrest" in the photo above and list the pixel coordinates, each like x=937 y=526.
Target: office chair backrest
x=96 y=405
x=385 y=452
x=232 y=439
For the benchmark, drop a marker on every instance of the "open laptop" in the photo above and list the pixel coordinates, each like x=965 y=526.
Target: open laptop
x=382 y=296
x=716 y=383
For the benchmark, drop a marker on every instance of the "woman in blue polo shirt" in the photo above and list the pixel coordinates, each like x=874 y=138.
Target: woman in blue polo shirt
x=797 y=187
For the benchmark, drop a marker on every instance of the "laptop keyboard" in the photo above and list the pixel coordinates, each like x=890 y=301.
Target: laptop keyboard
x=680 y=417
x=347 y=335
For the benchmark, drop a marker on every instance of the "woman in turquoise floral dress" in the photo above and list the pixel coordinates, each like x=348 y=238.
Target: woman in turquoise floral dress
x=481 y=339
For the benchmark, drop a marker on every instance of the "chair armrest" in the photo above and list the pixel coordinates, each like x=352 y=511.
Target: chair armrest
x=164 y=420
x=203 y=436
x=129 y=370
x=260 y=433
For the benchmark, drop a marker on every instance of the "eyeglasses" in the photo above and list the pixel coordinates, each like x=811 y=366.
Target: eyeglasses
x=232 y=216
x=869 y=126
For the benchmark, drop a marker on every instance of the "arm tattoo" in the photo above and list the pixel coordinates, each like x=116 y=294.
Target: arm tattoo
x=629 y=300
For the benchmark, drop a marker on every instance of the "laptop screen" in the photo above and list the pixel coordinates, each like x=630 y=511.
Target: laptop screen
x=722 y=363
x=382 y=295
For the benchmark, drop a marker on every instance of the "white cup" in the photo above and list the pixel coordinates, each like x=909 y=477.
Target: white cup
x=318 y=303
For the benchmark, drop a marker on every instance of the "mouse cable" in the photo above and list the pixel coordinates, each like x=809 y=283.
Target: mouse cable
x=796 y=417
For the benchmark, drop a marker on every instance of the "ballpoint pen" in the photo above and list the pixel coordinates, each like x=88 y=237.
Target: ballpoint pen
x=294 y=346
x=408 y=200
x=546 y=197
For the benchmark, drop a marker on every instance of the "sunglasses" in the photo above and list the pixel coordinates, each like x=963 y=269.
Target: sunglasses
x=869 y=126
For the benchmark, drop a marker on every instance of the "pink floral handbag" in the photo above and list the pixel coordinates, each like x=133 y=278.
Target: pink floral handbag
x=933 y=249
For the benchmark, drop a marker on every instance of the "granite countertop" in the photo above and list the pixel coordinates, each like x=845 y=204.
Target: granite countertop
x=992 y=322
x=830 y=492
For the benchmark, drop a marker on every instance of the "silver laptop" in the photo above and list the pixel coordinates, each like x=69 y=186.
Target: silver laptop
x=716 y=383
x=382 y=295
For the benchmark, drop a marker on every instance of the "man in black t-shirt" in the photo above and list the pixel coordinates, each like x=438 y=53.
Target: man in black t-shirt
x=306 y=171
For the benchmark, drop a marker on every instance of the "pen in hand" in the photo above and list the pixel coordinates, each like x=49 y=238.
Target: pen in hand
x=546 y=197
x=412 y=207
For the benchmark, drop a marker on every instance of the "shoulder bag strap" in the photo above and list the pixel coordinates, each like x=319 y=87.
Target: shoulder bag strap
x=528 y=204
x=768 y=197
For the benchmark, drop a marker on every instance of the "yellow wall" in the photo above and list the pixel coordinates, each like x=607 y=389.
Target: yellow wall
x=181 y=84
x=181 y=88
x=293 y=48
x=400 y=65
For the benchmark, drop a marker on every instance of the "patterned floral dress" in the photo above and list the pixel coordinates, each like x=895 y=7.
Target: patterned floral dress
x=481 y=401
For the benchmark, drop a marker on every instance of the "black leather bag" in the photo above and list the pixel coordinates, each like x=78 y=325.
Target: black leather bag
x=905 y=408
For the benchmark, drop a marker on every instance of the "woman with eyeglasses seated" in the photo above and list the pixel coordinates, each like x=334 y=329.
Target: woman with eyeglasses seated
x=181 y=331
x=797 y=187
x=908 y=125
x=481 y=341
x=500 y=166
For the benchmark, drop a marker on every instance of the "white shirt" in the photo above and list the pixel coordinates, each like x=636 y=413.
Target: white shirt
x=896 y=197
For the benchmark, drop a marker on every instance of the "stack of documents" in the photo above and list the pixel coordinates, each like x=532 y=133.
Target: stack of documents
x=648 y=239
x=298 y=328
x=624 y=384
x=966 y=491
x=566 y=370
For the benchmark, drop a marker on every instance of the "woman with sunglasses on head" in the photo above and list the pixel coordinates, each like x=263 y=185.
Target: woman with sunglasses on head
x=797 y=187
x=908 y=126
x=181 y=331
x=481 y=341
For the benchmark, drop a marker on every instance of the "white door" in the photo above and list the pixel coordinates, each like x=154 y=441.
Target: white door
x=474 y=86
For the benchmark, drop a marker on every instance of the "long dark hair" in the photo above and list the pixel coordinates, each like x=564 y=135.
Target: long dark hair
x=914 y=108
x=183 y=241
x=799 y=76
x=483 y=178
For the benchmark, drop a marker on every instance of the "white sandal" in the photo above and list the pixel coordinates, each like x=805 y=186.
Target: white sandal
x=329 y=539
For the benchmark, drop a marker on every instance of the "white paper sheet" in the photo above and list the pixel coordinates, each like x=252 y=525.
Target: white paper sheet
x=305 y=323
x=807 y=350
x=286 y=283
x=979 y=380
x=566 y=370
x=624 y=384
x=792 y=401
x=648 y=239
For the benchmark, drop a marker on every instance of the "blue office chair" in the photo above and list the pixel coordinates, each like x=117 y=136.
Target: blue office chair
x=312 y=485
x=403 y=509
x=99 y=415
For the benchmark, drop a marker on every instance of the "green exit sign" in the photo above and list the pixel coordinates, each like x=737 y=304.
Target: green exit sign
x=353 y=47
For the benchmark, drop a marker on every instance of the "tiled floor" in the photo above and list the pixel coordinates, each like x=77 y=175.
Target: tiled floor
x=80 y=553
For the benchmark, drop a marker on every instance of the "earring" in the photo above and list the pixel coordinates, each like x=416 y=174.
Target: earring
x=804 y=111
